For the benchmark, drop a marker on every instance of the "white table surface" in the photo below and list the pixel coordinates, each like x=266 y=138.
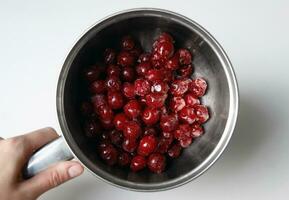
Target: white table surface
x=35 y=37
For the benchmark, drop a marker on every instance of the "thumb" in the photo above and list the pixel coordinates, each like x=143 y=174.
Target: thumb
x=52 y=177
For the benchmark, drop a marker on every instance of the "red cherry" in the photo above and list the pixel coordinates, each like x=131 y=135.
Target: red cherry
x=144 y=57
x=177 y=104
x=147 y=145
x=98 y=100
x=173 y=63
x=187 y=114
x=186 y=71
x=142 y=68
x=157 y=60
x=115 y=100
x=129 y=145
x=137 y=163
x=131 y=130
x=127 y=43
x=105 y=112
x=135 y=52
x=149 y=131
x=185 y=142
x=185 y=56
x=156 y=162
x=183 y=131
x=198 y=87
x=150 y=116
x=128 y=90
x=86 y=108
x=109 y=56
x=155 y=100
x=123 y=159
x=125 y=58
x=141 y=87
x=91 y=74
x=160 y=87
x=164 y=49
x=197 y=130
x=97 y=87
x=164 y=144
x=116 y=137
x=202 y=113
x=119 y=121
x=132 y=109
x=168 y=123
x=165 y=37
x=109 y=154
x=113 y=83
x=168 y=135
x=128 y=74
x=113 y=70
x=154 y=75
x=179 y=87
x=174 y=151
x=191 y=99
x=107 y=124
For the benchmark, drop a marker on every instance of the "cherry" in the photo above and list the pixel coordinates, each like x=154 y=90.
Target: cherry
x=107 y=124
x=115 y=100
x=128 y=90
x=123 y=159
x=105 y=112
x=173 y=63
x=113 y=70
x=164 y=144
x=97 y=87
x=127 y=43
x=165 y=37
x=109 y=56
x=179 y=87
x=157 y=60
x=187 y=114
x=128 y=74
x=119 y=121
x=109 y=154
x=154 y=75
x=86 y=108
x=132 y=130
x=165 y=49
x=160 y=87
x=141 y=87
x=113 y=83
x=198 y=87
x=177 y=104
x=183 y=131
x=168 y=123
x=125 y=58
x=135 y=52
x=155 y=100
x=116 y=137
x=202 y=113
x=191 y=99
x=129 y=145
x=149 y=131
x=91 y=74
x=98 y=100
x=185 y=56
x=91 y=129
x=156 y=162
x=174 y=151
x=168 y=135
x=150 y=116
x=147 y=145
x=137 y=163
x=197 y=130
x=142 y=68
x=132 y=109
x=144 y=57
x=185 y=141
x=186 y=71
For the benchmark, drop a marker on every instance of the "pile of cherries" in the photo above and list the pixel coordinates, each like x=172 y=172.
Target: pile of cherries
x=143 y=108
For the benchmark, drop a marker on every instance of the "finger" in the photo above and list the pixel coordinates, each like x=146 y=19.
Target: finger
x=52 y=177
x=1 y=138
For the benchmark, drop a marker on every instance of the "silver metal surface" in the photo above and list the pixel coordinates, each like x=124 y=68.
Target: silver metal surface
x=49 y=154
x=210 y=62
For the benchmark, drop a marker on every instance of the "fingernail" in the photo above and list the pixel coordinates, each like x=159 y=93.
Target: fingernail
x=75 y=170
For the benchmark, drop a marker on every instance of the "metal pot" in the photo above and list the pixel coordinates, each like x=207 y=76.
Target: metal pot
x=210 y=62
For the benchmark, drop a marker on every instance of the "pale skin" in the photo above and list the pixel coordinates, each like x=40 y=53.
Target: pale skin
x=14 y=153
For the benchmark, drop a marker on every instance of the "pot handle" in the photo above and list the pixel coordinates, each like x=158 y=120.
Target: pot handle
x=55 y=151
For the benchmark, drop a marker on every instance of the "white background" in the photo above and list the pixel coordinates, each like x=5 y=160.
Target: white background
x=35 y=37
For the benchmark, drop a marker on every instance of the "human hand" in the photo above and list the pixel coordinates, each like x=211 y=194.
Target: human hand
x=15 y=152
